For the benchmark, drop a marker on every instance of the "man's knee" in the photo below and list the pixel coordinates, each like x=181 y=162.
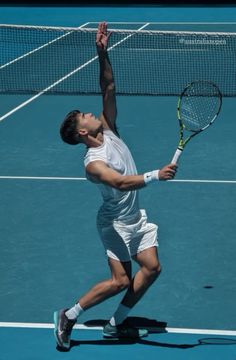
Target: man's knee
x=121 y=283
x=153 y=272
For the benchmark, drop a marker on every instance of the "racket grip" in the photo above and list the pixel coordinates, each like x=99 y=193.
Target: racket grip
x=176 y=156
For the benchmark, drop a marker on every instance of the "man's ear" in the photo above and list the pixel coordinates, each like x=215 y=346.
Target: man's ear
x=83 y=132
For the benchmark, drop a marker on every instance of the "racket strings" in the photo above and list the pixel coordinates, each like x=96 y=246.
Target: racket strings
x=199 y=105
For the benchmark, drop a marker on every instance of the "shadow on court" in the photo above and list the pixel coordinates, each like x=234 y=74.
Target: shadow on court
x=113 y=342
x=153 y=327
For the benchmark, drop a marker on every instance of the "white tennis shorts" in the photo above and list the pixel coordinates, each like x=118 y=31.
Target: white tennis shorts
x=122 y=240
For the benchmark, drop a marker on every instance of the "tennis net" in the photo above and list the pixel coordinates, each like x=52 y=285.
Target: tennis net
x=56 y=60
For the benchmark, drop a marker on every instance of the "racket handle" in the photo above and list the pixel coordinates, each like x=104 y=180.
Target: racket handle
x=176 y=156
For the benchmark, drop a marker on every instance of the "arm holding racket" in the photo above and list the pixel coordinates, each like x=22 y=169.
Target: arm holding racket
x=166 y=173
x=99 y=172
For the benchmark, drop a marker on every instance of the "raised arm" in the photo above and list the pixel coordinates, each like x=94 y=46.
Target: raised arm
x=107 y=83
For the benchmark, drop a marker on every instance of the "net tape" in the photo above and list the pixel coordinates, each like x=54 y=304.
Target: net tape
x=59 y=60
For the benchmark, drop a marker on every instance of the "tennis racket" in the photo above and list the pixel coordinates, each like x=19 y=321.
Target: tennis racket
x=197 y=108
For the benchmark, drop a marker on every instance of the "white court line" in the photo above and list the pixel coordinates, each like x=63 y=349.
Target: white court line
x=204 y=181
x=63 y=178
x=39 y=48
x=43 y=178
x=83 y=327
x=37 y=95
x=43 y=91
x=64 y=77
x=170 y=50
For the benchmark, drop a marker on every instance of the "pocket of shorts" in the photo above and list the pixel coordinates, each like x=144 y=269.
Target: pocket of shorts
x=143 y=214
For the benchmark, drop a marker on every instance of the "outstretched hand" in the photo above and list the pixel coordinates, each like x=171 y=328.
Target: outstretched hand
x=102 y=36
x=168 y=172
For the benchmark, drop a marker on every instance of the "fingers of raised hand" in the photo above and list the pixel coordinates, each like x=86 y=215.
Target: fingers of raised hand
x=102 y=28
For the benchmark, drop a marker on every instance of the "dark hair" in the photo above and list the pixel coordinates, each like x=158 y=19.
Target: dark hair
x=68 y=129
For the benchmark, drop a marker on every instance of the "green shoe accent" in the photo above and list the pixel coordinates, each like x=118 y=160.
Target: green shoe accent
x=122 y=331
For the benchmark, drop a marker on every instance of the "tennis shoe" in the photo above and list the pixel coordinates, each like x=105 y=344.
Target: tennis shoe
x=123 y=331
x=63 y=328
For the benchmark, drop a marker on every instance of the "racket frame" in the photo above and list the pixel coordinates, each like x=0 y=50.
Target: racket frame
x=182 y=141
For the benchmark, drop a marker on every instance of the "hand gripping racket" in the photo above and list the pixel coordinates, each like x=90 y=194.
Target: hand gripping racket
x=197 y=108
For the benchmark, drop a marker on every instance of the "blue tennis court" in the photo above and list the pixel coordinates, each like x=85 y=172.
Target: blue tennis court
x=50 y=251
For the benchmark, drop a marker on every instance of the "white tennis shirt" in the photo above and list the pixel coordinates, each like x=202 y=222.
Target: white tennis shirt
x=117 y=205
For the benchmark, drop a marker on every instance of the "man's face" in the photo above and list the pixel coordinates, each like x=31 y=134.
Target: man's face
x=88 y=122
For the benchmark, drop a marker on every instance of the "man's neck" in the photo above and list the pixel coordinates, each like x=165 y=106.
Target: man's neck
x=95 y=141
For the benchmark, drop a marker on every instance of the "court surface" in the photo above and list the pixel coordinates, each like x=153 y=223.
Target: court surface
x=50 y=251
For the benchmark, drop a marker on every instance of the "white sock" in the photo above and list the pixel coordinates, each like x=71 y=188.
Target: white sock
x=74 y=312
x=120 y=315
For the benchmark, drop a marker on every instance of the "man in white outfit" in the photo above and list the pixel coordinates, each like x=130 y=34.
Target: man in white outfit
x=122 y=225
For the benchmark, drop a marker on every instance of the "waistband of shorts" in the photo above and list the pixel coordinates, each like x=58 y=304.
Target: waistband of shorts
x=127 y=220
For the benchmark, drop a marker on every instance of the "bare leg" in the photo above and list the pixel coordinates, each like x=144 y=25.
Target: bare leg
x=149 y=271
x=120 y=280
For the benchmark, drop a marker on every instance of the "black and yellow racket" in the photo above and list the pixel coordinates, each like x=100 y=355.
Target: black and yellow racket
x=198 y=106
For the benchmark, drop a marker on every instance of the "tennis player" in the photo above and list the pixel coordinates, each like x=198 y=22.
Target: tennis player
x=123 y=227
